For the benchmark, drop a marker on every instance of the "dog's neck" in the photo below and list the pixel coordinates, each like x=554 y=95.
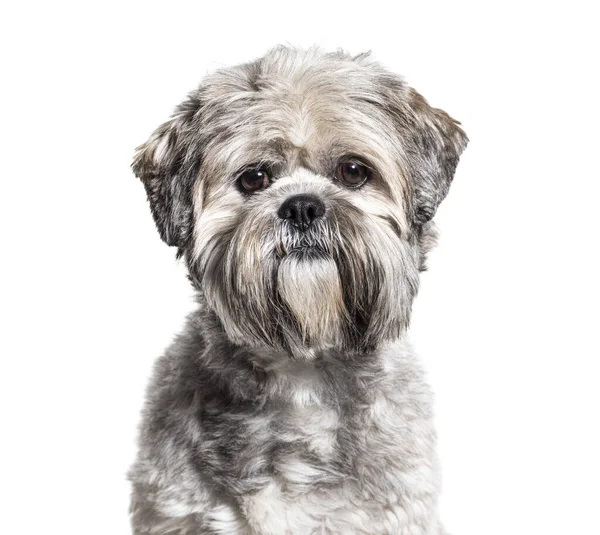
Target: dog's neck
x=275 y=375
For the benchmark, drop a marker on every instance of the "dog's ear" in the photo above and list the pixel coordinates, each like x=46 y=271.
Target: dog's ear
x=437 y=142
x=168 y=165
x=432 y=142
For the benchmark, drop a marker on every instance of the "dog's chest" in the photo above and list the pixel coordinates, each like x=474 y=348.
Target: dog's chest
x=339 y=472
x=311 y=462
x=307 y=438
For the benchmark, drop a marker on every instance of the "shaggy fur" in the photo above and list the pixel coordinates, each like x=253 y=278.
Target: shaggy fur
x=292 y=402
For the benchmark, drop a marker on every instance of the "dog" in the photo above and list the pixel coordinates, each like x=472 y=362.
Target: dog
x=299 y=189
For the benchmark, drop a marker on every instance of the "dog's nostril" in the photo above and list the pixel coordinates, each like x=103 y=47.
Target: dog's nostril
x=301 y=210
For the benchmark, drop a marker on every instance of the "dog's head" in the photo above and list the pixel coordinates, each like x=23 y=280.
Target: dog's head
x=300 y=189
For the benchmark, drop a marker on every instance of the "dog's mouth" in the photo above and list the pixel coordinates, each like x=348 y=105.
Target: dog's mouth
x=314 y=242
x=307 y=252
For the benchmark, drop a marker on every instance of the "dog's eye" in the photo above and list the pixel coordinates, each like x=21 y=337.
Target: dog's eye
x=352 y=173
x=253 y=180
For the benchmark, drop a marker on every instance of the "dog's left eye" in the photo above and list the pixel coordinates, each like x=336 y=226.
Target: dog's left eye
x=352 y=173
x=253 y=180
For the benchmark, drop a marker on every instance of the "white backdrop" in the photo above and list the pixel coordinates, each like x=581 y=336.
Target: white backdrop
x=506 y=320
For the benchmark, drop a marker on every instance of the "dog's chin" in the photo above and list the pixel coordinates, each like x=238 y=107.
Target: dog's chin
x=309 y=284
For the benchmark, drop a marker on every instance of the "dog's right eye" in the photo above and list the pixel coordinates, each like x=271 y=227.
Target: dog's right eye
x=352 y=173
x=253 y=180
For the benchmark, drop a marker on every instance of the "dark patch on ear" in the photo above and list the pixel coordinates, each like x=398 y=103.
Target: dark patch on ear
x=438 y=142
x=168 y=165
x=433 y=142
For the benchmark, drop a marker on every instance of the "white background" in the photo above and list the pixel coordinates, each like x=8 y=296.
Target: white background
x=507 y=318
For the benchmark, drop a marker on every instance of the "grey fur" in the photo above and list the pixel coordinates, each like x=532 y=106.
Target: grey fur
x=292 y=402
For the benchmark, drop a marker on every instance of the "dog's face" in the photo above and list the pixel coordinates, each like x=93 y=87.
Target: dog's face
x=300 y=189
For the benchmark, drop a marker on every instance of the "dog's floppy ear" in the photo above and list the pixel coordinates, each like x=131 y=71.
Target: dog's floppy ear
x=432 y=142
x=437 y=143
x=168 y=164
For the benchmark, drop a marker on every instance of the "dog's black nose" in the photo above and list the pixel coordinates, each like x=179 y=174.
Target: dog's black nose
x=301 y=210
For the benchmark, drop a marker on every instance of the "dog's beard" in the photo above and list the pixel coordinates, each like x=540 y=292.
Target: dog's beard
x=308 y=282
x=347 y=283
